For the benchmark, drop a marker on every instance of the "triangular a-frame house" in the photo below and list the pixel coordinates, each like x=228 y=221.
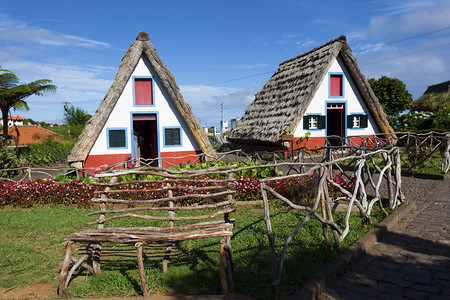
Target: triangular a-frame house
x=142 y=115
x=321 y=91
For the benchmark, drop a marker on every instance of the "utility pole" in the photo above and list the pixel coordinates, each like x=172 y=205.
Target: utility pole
x=221 y=124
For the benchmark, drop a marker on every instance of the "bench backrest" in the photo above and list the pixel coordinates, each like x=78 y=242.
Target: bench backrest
x=161 y=199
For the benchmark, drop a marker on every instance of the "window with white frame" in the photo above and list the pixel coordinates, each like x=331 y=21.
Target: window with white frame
x=357 y=121
x=314 y=122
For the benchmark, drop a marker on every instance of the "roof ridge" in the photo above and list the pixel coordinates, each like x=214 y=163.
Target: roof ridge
x=341 y=39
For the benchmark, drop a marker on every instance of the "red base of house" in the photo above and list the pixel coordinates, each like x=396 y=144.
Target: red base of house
x=95 y=163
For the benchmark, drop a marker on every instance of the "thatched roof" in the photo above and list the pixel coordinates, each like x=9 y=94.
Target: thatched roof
x=283 y=101
x=443 y=87
x=141 y=47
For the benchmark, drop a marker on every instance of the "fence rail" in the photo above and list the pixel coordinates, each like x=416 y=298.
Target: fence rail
x=416 y=151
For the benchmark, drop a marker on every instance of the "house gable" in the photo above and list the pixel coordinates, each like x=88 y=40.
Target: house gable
x=285 y=98
x=140 y=61
x=350 y=100
x=162 y=109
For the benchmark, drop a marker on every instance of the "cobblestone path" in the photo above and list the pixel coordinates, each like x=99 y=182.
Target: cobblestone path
x=410 y=262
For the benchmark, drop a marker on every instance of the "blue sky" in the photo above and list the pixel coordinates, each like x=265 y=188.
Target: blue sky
x=218 y=51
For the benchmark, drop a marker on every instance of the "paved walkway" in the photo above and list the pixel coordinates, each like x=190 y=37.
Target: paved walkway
x=410 y=262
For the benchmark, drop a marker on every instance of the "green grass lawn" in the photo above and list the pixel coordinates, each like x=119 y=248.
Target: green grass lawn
x=31 y=250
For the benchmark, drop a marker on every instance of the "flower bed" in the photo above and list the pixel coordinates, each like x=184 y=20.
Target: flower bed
x=51 y=192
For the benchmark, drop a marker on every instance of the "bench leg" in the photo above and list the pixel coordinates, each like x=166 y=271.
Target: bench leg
x=140 y=261
x=96 y=252
x=222 y=268
x=62 y=287
x=166 y=258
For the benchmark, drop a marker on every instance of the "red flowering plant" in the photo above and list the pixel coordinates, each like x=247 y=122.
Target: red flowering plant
x=31 y=193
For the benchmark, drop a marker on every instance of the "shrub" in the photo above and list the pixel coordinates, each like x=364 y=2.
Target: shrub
x=8 y=160
x=46 y=153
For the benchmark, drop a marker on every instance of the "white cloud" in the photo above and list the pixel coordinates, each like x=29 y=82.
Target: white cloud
x=416 y=19
x=17 y=31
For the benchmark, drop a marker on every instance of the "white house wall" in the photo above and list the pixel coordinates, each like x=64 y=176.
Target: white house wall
x=352 y=99
x=167 y=116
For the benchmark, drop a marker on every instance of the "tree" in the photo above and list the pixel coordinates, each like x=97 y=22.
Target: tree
x=75 y=116
x=392 y=94
x=12 y=95
x=75 y=119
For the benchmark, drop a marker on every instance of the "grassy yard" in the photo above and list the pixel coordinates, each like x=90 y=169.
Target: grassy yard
x=30 y=253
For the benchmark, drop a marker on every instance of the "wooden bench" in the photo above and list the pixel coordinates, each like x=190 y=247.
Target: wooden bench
x=201 y=200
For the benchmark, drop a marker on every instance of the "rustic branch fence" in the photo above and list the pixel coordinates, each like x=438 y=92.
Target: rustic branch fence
x=419 y=148
x=367 y=174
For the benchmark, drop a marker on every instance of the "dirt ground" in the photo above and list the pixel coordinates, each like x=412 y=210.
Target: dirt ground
x=414 y=189
x=37 y=291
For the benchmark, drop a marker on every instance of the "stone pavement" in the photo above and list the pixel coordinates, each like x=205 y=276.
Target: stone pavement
x=411 y=261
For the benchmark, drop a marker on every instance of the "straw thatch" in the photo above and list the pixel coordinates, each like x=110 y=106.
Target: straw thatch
x=141 y=47
x=283 y=101
x=440 y=88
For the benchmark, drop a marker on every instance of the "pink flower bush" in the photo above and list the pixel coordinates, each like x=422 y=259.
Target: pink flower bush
x=31 y=193
x=51 y=192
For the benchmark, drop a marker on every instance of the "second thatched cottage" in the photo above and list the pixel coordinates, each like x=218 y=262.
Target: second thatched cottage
x=143 y=114
x=322 y=92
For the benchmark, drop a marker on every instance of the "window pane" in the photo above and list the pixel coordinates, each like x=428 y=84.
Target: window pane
x=117 y=138
x=172 y=136
x=313 y=122
x=356 y=121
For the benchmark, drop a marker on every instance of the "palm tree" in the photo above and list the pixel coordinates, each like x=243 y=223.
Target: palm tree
x=12 y=95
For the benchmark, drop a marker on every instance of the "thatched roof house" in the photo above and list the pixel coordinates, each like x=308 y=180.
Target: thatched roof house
x=144 y=97
x=303 y=86
x=440 y=88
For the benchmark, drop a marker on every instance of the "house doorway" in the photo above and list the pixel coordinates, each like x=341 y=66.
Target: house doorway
x=145 y=125
x=336 y=123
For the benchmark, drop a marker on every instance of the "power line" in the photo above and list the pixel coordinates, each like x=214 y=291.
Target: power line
x=416 y=36
x=388 y=43
x=240 y=78
x=404 y=55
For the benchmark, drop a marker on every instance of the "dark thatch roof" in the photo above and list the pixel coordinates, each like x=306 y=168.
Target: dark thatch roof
x=440 y=88
x=283 y=101
x=141 y=47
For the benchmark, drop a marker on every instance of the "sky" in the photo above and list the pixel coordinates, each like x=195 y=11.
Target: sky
x=220 y=52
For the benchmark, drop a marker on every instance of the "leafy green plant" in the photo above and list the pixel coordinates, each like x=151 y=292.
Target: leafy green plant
x=8 y=160
x=47 y=153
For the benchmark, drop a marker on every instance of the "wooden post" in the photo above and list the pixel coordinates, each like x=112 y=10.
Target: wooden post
x=223 y=267
x=271 y=237
x=229 y=265
x=145 y=291
x=62 y=287
x=324 y=214
x=169 y=246
x=97 y=248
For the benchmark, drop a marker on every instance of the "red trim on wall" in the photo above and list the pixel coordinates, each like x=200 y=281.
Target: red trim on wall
x=95 y=161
